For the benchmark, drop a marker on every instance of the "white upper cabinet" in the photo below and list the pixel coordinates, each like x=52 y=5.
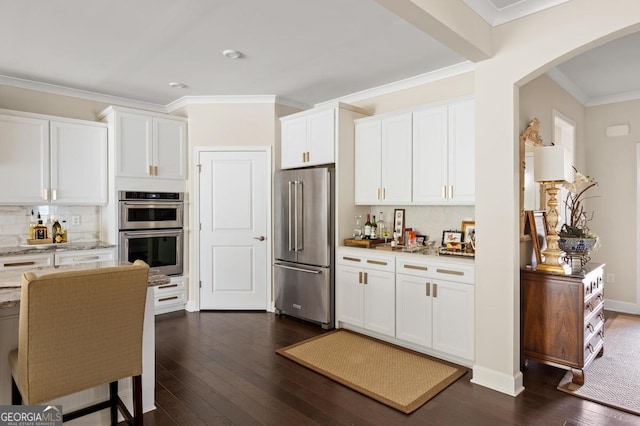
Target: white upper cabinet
x=443 y=154
x=308 y=139
x=53 y=161
x=383 y=160
x=148 y=146
x=78 y=163
x=24 y=159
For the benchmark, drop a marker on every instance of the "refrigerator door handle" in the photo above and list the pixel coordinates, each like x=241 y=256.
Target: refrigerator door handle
x=308 y=271
x=299 y=216
x=289 y=234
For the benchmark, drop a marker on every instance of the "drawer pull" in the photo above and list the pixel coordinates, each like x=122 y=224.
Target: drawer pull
x=164 y=299
x=450 y=272
x=428 y=289
x=590 y=348
x=80 y=258
x=8 y=265
x=377 y=262
x=420 y=268
x=601 y=334
x=435 y=290
x=168 y=286
x=589 y=307
x=351 y=259
x=365 y=278
x=359 y=277
x=590 y=328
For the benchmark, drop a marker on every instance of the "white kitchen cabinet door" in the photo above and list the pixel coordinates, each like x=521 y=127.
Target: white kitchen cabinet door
x=134 y=148
x=379 y=301
x=413 y=310
x=294 y=142
x=430 y=155
x=78 y=164
x=462 y=153
x=169 y=152
x=24 y=160
x=321 y=137
x=309 y=139
x=368 y=166
x=349 y=295
x=395 y=160
x=453 y=316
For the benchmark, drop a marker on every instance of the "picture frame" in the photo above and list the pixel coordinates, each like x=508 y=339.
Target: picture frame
x=469 y=234
x=451 y=236
x=398 y=221
x=537 y=226
x=421 y=240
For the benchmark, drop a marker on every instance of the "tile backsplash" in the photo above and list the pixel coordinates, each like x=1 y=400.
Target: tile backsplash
x=428 y=220
x=14 y=222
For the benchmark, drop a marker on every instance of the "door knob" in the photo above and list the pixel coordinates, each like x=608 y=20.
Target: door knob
x=260 y=238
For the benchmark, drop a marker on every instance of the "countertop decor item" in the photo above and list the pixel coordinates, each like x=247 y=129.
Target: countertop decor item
x=550 y=169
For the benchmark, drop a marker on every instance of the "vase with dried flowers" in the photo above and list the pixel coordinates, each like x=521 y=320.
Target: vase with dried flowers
x=575 y=236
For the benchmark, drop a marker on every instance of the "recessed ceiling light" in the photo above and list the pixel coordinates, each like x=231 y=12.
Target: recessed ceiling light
x=231 y=54
x=177 y=85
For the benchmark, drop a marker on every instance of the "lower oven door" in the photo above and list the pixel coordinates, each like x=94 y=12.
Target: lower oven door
x=160 y=249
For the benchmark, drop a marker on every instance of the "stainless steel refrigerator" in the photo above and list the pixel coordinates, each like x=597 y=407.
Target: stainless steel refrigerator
x=304 y=253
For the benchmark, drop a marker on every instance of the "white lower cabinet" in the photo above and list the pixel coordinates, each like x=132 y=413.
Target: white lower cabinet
x=26 y=261
x=170 y=297
x=365 y=293
x=74 y=257
x=424 y=303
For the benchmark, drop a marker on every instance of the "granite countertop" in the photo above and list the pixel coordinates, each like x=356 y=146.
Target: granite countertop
x=11 y=281
x=54 y=248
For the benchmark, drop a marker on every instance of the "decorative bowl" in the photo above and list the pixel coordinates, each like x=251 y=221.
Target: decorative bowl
x=577 y=245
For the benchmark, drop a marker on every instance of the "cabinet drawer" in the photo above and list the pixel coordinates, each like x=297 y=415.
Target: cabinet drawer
x=593 y=283
x=84 y=256
x=170 y=299
x=454 y=272
x=415 y=268
x=368 y=262
x=175 y=285
x=593 y=346
x=25 y=262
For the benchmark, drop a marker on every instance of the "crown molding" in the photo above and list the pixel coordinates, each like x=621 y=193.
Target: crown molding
x=407 y=83
x=517 y=9
x=77 y=93
x=613 y=99
x=232 y=99
x=563 y=81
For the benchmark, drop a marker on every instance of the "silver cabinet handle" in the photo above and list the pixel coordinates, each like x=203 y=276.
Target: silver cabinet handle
x=79 y=258
x=290 y=219
x=260 y=238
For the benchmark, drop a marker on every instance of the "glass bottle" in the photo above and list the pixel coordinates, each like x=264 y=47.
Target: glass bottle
x=383 y=231
x=357 y=229
x=64 y=231
x=374 y=229
x=367 y=228
x=56 y=231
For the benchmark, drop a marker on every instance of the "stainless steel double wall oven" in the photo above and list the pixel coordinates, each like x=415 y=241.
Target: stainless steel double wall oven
x=151 y=229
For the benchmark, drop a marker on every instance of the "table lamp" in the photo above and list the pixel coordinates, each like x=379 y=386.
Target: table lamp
x=550 y=169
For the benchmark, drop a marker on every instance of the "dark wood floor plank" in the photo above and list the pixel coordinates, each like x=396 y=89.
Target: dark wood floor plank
x=221 y=368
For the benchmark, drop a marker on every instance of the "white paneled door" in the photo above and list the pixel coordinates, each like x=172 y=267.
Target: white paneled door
x=234 y=188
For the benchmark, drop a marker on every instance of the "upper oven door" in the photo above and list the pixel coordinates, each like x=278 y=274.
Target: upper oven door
x=150 y=215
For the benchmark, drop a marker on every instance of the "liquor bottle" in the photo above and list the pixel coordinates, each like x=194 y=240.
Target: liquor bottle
x=32 y=226
x=383 y=232
x=56 y=231
x=40 y=231
x=64 y=231
x=367 y=228
x=374 y=229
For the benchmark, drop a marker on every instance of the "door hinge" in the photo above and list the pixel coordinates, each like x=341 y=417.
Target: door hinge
x=200 y=227
x=199 y=166
x=200 y=284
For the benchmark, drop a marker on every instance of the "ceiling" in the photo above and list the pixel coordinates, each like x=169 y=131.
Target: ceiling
x=305 y=52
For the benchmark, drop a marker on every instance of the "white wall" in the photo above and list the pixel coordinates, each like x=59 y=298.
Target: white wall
x=612 y=162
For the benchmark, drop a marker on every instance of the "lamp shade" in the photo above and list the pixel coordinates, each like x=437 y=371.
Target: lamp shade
x=550 y=164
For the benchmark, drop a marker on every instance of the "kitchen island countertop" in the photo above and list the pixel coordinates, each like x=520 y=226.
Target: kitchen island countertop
x=53 y=248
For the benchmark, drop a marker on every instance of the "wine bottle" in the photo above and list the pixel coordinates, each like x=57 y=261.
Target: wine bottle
x=40 y=231
x=374 y=228
x=367 y=228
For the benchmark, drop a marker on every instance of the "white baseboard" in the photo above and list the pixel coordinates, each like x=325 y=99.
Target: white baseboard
x=191 y=306
x=624 y=307
x=498 y=381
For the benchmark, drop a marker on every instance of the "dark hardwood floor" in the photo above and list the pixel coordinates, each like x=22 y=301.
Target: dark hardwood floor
x=221 y=368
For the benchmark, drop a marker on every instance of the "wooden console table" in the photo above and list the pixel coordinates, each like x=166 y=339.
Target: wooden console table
x=562 y=318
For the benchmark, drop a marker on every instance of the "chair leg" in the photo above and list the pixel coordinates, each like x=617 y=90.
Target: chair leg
x=137 y=401
x=16 y=397
x=113 y=400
